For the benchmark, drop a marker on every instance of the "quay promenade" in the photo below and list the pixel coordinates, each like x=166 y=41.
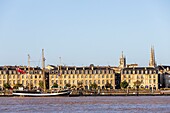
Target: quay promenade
x=112 y=92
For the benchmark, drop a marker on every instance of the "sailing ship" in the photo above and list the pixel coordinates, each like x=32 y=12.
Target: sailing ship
x=35 y=93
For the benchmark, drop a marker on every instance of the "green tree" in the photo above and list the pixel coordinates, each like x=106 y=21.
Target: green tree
x=137 y=83
x=16 y=86
x=7 y=86
x=80 y=84
x=55 y=85
x=108 y=85
x=73 y=86
x=41 y=84
x=68 y=85
x=93 y=86
x=124 y=84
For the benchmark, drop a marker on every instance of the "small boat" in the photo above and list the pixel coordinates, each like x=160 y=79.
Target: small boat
x=39 y=94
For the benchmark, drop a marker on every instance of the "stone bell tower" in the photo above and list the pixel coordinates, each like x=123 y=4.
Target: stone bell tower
x=152 y=62
x=122 y=61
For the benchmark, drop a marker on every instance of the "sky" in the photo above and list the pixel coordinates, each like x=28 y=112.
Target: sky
x=84 y=32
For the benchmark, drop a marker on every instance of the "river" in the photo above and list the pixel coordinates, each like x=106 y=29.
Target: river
x=93 y=104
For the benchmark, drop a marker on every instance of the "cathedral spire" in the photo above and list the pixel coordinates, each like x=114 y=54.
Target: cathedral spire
x=152 y=62
x=122 y=62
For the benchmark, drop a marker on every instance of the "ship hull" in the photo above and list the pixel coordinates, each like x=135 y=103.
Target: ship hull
x=38 y=94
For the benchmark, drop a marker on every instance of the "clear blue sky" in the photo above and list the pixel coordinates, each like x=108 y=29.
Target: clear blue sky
x=82 y=32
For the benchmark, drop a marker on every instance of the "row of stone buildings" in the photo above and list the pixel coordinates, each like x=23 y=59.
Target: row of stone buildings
x=151 y=77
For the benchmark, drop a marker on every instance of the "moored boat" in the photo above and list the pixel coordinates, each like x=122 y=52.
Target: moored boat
x=39 y=94
x=36 y=93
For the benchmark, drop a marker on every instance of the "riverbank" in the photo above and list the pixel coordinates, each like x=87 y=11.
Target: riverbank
x=76 y=95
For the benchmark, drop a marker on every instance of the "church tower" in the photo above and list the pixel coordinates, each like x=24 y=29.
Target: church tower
x=122 y=61
x=152 y=62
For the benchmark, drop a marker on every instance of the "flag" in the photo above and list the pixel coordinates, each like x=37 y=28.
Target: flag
x=21 y=71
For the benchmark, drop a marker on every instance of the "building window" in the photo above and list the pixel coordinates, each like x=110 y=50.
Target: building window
x=129 y=76
x=98 y=76
x=102 y=81
x=111 y=76
x=86 y=71
x=77 y=72
x=94 y=81
x=149 y=76
x=94 y=71
x=86 y=82
x=102 y=76
x=111 y=71
x=107 y=76
x=129 y=81
x=98 y=81
x=64 y=81
x=154 y=81
x=150 y=71
x=52 y=82
x=35 y=82
x=4 y=77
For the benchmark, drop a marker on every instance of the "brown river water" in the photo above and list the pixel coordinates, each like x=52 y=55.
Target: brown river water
x=93 y=104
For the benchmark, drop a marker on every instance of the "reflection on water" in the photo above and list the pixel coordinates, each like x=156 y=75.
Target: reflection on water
x=96 y=104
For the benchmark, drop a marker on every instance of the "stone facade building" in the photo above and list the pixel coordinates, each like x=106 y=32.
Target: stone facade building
x=9 y=74
x=148 y=77
x=100 y=75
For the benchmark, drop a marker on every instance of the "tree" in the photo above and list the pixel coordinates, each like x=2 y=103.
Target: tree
x=73 y=86
x=68 y=85
x=80 y=84
x=124 y=84
x=16 y=86
x=55 y=85
x=41 y=84
x=93 y=86
x=108 y=85
x=7 y=86
x=137 y=83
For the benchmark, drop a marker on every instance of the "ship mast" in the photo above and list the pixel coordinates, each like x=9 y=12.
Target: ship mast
x=43 y=70
x=29 y=72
